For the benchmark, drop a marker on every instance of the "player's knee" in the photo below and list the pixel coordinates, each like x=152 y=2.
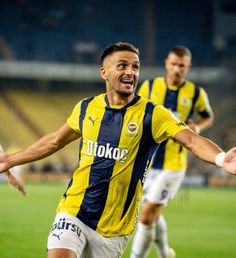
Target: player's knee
x=150 y=213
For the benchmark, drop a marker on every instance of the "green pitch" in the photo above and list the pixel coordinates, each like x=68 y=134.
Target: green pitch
x=202 y=222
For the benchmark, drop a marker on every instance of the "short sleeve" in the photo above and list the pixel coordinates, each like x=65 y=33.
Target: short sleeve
x=202 y=105
x=165 y=124
x=73 y=119
x=144 y=89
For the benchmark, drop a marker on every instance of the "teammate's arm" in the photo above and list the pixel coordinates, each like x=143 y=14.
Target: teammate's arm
x=203 y=108
x=42 y=148
x=206 y=149
x=202 y=124
x=144 y=89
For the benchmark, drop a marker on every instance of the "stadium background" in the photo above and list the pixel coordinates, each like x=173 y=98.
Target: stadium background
x=49 y=59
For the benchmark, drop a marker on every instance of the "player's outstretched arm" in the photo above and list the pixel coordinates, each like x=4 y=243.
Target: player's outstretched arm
x=15 y=182
x=207 y=150
x=42 y=148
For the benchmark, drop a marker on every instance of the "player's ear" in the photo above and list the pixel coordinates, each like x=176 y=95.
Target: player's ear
x=103 y=73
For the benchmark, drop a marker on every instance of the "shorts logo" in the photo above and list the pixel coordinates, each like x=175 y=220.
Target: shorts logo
x=164 y=194
x=62 y=224
x=132 y=127
x=58 y=236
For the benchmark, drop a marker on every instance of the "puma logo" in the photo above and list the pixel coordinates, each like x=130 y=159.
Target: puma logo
x=58 y=236
x=92 y=120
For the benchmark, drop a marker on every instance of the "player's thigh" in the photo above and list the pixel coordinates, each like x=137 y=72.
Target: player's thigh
x=106 y=247
x=61 y=253
x=66 y=238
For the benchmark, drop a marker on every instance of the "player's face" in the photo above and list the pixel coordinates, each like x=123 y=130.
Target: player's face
x=121 y=72
x=177 y=68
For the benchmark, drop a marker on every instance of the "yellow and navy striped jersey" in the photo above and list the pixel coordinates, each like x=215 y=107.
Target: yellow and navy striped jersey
x=116 y=146
x=183 y=102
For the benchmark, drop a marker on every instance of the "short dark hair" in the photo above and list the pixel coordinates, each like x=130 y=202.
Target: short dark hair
x=181 y=51
x=119 y=46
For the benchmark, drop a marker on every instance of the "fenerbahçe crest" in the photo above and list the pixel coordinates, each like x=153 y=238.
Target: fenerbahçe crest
x=132 y=128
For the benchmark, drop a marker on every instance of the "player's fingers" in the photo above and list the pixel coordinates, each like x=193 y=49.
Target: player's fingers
x=22 y=190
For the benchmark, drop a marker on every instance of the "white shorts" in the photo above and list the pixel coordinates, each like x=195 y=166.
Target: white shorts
x=161 y=185
x=70 y=233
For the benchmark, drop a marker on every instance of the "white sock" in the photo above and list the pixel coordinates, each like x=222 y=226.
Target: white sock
x=143 y=238
x=161 y=238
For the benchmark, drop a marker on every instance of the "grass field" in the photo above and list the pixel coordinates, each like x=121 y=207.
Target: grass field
x=202 y=222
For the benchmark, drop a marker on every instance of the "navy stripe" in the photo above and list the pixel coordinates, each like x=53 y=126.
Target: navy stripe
x=69 y=185
x=158 y=159
x=171 y=99
x=101 y=171
x=150 y=85
x=170 y=102
x=83 y=108
x=147 y=147
x=196 y=95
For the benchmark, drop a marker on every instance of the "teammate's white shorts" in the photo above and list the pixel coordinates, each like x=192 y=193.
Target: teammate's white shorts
x=161 y=185
x=70 y=233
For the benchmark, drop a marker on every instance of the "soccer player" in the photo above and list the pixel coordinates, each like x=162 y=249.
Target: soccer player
x=169 y=164
x=119 y=133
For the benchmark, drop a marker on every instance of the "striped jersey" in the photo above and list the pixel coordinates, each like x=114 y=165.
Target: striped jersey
x=116 y=146
x=183 y=102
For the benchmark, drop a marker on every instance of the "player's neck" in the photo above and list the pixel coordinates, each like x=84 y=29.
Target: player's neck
x=115 y=99
x=178 y=84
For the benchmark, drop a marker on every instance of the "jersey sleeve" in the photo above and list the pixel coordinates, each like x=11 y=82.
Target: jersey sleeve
x=165 y=124
x=144 y=89
x=73 y=119
x=202 y=105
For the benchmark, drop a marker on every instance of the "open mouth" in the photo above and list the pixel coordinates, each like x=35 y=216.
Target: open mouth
x=127 y=82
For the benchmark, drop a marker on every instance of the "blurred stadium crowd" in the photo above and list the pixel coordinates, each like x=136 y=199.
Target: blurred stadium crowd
x=74 y=32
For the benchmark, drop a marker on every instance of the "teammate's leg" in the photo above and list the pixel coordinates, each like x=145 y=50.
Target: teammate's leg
x=161 y=237
x=162 y=189
x=145 y=233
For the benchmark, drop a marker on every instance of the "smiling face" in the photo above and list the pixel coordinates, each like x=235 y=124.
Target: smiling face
x=120 y=70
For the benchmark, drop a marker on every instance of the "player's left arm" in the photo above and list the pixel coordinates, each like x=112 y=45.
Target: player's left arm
x=204 y=110
x=207 y=150
x=15 y=182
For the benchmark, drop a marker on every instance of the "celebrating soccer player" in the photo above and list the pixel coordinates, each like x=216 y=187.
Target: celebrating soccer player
x=119 y=133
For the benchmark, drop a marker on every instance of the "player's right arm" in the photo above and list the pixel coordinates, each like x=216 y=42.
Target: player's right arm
x=42 y=148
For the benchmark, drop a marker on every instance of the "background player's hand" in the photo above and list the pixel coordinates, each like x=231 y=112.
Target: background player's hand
x=230 y=161
x=15 y=182
x=193 y=126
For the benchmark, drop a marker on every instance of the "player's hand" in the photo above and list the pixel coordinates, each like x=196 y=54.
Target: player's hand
x=193 y=126
x=230 y=161
x=15 y=182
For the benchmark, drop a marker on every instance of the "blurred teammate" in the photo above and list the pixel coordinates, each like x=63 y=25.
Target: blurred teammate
x=169 y=164
x=119 y=132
